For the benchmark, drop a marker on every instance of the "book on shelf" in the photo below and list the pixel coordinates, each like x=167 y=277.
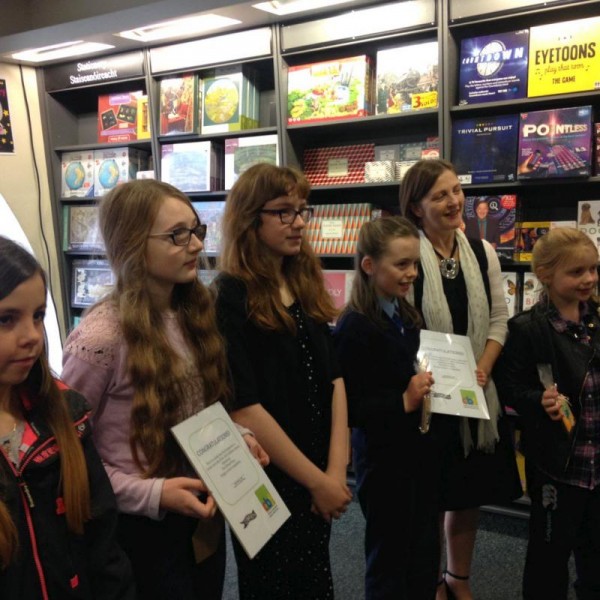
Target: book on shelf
x=484 y=149
x=510 y=287
x=113 y=166
x=339 y=285
x=493 y=67
x=492 y=218
x=192 y=166
x=179 y=105
x=144 y=125
x=527 y=233
x=555 y=143
x=244 y=152
x=564 y=57
x=329 y=90
x=81 y=228
x=588 y=220
x=118 y=117
x=230 y=100
x=91 y=281
x=334 y=228
x=337 y=164
x=532 y=288
x=211 y=215
x=596 y=148
x=407 y=78
x=77 y=174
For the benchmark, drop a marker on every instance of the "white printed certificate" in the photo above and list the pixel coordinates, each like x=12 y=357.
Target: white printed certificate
x=451 y=360
x=239 y=485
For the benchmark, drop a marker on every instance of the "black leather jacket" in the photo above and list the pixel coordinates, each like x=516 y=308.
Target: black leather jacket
x=53 y=563
x=531 y=341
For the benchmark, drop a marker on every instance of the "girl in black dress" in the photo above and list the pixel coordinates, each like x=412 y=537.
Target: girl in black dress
x=273 y=311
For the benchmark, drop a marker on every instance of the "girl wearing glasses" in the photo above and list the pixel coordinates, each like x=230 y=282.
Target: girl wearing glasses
x=273 y=310
x=146 y=357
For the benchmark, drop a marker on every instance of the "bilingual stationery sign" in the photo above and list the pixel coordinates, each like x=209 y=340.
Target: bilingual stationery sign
x=240 y=487
x=452 y=362
x=94 y=70
x=6 y=137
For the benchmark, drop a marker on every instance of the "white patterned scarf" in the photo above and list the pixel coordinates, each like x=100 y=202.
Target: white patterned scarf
x=436 y=314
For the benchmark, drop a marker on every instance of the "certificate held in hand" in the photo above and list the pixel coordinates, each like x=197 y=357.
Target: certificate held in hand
x=452 y=362
x=243 y=492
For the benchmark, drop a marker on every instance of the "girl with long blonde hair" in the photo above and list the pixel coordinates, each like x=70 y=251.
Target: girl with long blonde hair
x=147 y=357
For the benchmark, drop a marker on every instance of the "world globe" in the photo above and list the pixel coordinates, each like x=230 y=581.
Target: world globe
x=74 y=175
x=108 y=174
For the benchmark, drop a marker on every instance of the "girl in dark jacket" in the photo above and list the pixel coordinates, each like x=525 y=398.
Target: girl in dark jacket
x=377 y=339
x=550 y=373
x=57 y=509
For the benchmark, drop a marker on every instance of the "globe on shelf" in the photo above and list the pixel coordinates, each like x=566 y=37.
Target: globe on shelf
x=108 y=174
x=74 y=175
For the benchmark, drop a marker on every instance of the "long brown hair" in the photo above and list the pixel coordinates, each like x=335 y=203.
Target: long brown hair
x=16 y=267
x=373 y=241
x=417 y=182
x=243 y=254
x=127 y=215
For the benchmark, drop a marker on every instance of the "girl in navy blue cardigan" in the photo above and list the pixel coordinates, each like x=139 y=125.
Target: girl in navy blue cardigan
x=377 y=339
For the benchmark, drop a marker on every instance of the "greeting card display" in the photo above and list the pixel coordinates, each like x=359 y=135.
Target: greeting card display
x=485 y=149
x=493 y=67
x=407 y=78
x=555 y=143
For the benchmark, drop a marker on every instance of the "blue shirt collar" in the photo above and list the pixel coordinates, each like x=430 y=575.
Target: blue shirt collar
x=388 y=307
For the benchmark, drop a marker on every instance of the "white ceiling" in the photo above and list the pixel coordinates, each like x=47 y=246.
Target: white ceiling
x=30 y=24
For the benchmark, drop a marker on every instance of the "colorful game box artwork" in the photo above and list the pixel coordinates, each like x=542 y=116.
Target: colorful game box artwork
x=493 y=67
x=6 y=136
x=485 y=149
x=555 y=143
x=492 y=218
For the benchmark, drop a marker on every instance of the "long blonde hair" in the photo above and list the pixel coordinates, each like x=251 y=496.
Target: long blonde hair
x=127 y=215
x=243 y=254
x=16 y=267
x=373 y=241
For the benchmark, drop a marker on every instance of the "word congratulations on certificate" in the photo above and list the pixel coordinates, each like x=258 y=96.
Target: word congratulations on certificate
x=452 y=362
x=239 y=485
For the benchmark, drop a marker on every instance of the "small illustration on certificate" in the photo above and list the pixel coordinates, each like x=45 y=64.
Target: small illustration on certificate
x=243 y=492
x=452 y=362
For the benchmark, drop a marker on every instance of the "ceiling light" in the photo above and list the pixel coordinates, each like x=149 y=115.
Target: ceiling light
x=178 y=28
x=288 y=7
x=57 y=51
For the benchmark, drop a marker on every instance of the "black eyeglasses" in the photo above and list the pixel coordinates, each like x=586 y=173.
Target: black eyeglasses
x=289 y=215
x=182 y=235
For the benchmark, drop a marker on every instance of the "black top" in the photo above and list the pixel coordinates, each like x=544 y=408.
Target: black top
x=267 y=366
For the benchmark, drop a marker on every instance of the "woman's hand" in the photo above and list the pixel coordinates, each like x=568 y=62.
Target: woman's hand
x=551 y=404
x=330 y=498
x=419 y=385
x=256 y=449
x=180 y=495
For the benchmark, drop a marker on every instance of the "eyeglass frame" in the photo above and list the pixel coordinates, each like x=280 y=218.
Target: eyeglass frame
x=199 y=231
x=308 y=210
